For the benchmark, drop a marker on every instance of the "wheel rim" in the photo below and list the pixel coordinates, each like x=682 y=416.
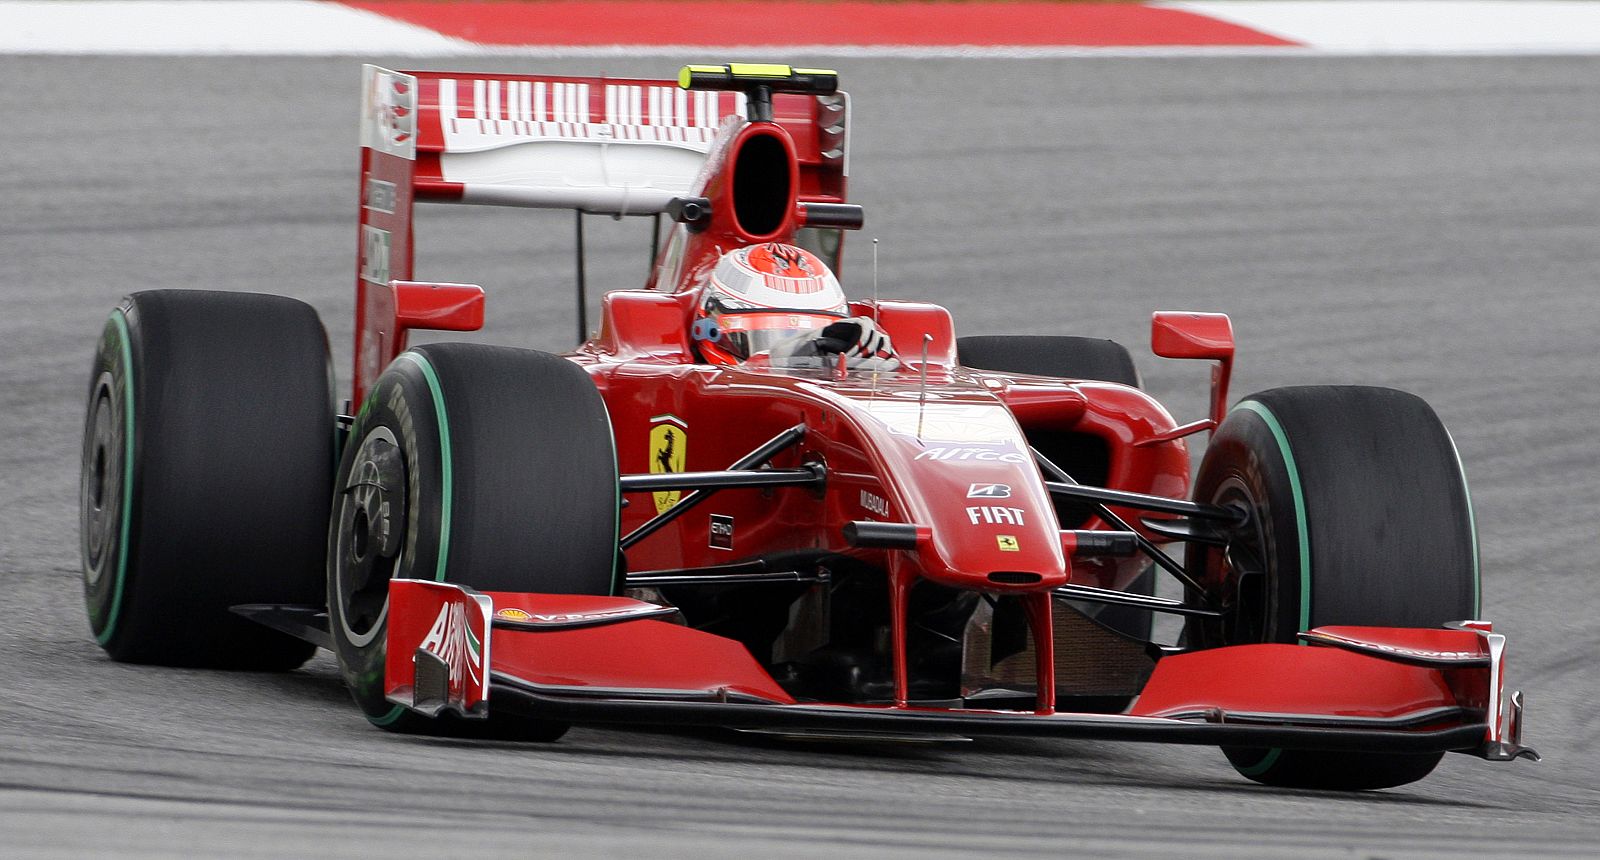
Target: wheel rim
x=100 y=483
x=368 y=547
x=1243 y=593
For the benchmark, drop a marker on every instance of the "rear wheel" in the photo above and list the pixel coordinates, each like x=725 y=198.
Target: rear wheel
x=486 y=466
x=1068 y=357
x=1061 y=356
x=207 y=460
x=1359 y=515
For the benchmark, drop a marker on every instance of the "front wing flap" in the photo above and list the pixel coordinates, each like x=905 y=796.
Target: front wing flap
x=587 y=659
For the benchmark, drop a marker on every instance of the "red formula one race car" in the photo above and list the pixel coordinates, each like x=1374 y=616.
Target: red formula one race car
x=748 y=502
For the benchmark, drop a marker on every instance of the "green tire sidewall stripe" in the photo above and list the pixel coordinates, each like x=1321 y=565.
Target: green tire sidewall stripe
x=126 y=526
x=386 y=719
x=1303 y=532
x=446 y=473
x=447 y=488
x=1266 y=763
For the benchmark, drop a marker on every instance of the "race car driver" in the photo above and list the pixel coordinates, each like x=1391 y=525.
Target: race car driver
x=782 y=301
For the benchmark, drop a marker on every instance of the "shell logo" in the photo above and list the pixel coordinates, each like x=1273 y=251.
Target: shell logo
x=510 y=614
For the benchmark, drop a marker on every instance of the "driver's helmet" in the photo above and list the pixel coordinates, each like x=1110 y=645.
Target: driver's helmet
x=760 y=295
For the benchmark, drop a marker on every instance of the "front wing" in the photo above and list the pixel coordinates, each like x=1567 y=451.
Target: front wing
x=586 y=659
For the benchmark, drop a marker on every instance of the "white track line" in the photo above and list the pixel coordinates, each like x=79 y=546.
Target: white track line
x=304 y=27
x=179 y=27
x=1418 y=26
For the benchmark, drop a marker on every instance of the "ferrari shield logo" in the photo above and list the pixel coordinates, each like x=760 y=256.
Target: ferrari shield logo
x=668 y=440
x=1008 y=543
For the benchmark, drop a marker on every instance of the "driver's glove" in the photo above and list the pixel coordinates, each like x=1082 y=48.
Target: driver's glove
x=858 y=337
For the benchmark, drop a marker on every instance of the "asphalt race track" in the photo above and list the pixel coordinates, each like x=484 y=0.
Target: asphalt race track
x=1427 y=224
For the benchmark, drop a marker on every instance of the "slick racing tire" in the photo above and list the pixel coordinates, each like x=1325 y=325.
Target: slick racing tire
x=208 y=452
x=486 y=466
x=1067 y=357
x=1359 y=514
x=1061 y=356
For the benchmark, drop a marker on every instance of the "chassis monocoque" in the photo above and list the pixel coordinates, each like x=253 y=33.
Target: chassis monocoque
x=962 y=544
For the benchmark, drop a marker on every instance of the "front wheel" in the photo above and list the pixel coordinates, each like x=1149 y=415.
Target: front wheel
x=485 y=466
x=207 y=452
x=1359 y=515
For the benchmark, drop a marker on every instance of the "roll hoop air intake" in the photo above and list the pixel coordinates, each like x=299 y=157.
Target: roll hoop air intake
x=758 y=81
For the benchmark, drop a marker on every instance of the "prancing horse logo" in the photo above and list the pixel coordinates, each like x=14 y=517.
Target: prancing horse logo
x=669 y=439
x=664 y=456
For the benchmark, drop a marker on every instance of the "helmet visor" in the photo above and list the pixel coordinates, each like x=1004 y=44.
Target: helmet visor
x=746 y=333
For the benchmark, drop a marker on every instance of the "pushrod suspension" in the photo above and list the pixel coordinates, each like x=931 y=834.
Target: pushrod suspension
x=643 y=580
x=1090 y=594
x=805 y=476
x=1166 y=562
x=1193 y=510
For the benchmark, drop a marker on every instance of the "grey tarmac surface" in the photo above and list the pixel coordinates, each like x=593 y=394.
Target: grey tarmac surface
x=1428 y=224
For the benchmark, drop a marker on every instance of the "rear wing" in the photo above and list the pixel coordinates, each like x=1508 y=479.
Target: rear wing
x=615 y=146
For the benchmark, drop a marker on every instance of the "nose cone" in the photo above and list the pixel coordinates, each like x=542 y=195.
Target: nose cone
x=963 y=468
x=994 y=528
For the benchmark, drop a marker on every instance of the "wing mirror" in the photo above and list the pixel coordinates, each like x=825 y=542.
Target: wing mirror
x=441 y=307
x=1187 y=334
